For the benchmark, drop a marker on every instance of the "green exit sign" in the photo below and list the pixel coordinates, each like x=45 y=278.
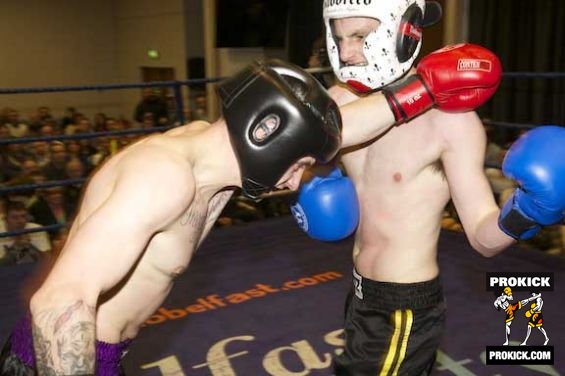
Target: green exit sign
x=153 y=54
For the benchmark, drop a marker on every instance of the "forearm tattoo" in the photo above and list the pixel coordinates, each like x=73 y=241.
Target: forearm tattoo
x=64 y=340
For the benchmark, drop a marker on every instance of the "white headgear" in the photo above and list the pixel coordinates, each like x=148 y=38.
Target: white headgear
x=391 y=49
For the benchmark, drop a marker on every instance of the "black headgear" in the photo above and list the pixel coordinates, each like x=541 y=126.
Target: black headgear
x=277 y=113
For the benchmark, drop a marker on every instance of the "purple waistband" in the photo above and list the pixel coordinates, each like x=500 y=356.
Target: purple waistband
x=108 y=355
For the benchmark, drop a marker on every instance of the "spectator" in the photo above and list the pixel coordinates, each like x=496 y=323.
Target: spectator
x=38 y=118
x=44 y=113
x=75 y=124
x=55 y=169
x=13 y=155
x=200 y=108
x=101 y=151
x=51 y=208
x=24 y=248
x=83 y=126
x=116 y=142
x=319 y=59
x=29 y=170
x=68 y=118
x=79 y=150
x=40 y=153
x=76 y=169
x=29 y=167
x=11 y=119
x=34 y=195
x=152 y=102
x=99 y=122
x=48 y=129
x=148 y=121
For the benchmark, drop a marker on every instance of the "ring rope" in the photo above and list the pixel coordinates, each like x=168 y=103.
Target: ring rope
x=6 y=190
x=80 y=136
x=533 y=74
x=505 y=124
x=100 y=87
x=47 y=228
x=176 y=84
x=196 y=81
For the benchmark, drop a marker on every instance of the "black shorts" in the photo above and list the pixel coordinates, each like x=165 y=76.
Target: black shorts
x=391 y=328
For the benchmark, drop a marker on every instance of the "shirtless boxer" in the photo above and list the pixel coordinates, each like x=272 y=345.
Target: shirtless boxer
x=405 y=176
x=147 y=209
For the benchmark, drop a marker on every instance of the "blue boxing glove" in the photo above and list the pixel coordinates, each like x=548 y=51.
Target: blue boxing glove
x=327 y=208
x=537 y=162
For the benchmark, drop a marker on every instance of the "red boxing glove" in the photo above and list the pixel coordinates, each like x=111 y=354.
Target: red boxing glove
x=456 y=78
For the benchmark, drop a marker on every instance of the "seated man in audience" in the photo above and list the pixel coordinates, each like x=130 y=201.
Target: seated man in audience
x=55 y=169
x=52 y=207
x=11 y=119
x=23 y=248
x=76 y=169
x=152 y=102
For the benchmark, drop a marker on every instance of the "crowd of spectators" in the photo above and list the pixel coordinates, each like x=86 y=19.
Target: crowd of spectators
x=31 y=163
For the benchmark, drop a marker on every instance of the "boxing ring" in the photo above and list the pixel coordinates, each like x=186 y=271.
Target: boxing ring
x=262 y=298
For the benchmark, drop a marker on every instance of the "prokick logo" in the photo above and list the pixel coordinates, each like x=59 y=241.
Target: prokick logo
x=517 y=295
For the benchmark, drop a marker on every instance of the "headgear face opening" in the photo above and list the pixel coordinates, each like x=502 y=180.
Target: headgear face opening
x=277 y=113
x=390 y=49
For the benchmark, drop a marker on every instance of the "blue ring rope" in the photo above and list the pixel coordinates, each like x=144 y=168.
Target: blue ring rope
x=48 y=228
x=178 y=102
x=7 y=190
x=80 y=136
x=99 y=87
x=533 y=74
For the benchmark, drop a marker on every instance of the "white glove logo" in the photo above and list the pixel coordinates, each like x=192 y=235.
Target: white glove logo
x=299 y=216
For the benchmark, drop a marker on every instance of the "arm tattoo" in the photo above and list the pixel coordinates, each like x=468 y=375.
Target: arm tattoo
x=217 y=204
x=194 y=217
x=64 y=340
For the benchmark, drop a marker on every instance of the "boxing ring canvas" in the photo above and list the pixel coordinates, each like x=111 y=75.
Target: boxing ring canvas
x=264 y=299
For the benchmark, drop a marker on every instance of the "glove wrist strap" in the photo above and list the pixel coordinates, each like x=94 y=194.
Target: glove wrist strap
x=408 y=98
x=514 y=223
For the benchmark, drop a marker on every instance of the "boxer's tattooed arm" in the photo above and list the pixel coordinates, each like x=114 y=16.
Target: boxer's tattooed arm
x=64 y=340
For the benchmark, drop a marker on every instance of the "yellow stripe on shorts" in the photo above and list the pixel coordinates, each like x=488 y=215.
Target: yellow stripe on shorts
x=403 y=321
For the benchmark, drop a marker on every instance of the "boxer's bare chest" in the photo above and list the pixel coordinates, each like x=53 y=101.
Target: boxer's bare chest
x=399 y=157
x=171 y=249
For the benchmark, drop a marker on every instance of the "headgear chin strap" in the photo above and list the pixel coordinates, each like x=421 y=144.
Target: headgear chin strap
x=391 y=49
x=277 y=113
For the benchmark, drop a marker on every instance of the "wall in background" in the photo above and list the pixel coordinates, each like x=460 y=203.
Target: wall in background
x=70 y=43
x=142 y=25
x=58 y=43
